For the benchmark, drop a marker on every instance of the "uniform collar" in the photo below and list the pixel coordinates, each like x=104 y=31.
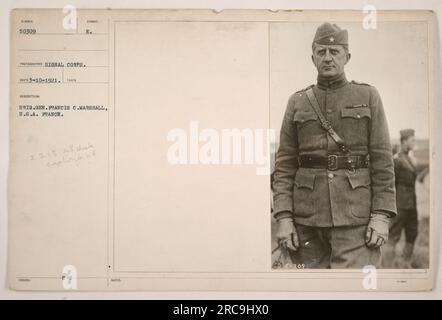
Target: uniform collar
x=332 y=83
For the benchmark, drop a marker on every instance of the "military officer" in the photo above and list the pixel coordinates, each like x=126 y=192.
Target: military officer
x=406 y=219
x=334 y=190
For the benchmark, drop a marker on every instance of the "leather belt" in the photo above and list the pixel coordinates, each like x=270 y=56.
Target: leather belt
x=334 y=162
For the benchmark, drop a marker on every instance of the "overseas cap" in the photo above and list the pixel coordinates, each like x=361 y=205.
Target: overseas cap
x=406 y=133
x=329 y=34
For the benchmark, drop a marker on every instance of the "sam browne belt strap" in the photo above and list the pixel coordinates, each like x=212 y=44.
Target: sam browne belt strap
x=326 y=124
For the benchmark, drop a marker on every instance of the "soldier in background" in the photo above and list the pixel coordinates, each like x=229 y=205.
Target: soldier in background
x=406 y=174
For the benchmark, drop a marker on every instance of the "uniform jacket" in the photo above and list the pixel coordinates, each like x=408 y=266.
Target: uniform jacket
x=406 y=174
x=318 y=197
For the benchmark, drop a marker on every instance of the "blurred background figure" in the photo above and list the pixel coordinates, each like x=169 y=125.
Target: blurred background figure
x=395 y=148
x=406 y=174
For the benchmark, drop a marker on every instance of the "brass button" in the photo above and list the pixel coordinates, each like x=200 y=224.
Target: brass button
x=329 y=110
x=331 y=175
x=358 y=116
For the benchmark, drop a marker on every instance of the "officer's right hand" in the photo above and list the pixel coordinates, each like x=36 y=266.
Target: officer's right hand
x=286 y=234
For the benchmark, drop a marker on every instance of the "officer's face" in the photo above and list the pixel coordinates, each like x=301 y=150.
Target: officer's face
x=330 y=59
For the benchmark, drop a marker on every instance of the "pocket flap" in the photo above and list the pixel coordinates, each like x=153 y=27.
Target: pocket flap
x=359 y=180
x=305 y=180
x=304 y=116
x=356 y=113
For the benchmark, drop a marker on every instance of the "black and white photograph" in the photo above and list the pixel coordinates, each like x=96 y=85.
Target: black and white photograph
x=240 y=150
x=350 y=173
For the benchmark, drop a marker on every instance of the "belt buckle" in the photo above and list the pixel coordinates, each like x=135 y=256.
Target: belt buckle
x=332 y=162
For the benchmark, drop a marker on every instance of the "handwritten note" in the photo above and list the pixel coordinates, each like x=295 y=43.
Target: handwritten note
x=73 y=154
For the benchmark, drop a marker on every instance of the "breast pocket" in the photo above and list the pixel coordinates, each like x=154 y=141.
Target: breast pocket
x=303 y=117
x=308 y=128
x=356 y=124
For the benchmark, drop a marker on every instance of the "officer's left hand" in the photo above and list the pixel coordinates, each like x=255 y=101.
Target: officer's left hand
x=377 y=230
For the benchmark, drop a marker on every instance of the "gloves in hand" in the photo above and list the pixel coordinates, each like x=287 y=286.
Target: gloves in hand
x=377 y=230
x=286 y=234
